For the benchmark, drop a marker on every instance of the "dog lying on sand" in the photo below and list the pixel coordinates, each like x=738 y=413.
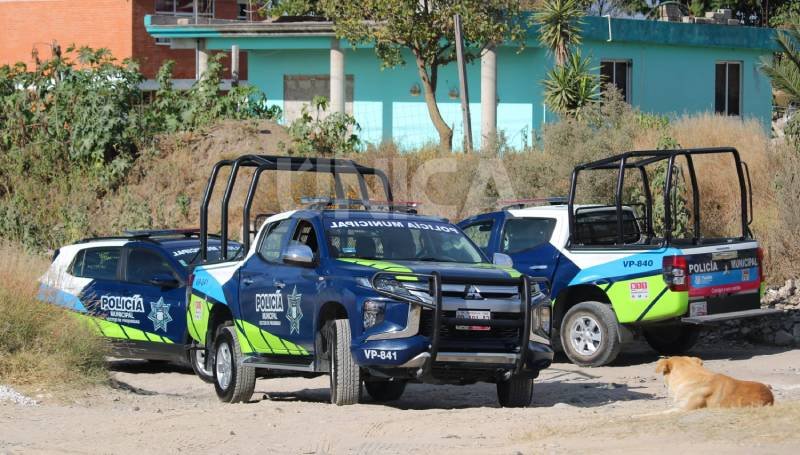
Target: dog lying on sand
x=694 y=387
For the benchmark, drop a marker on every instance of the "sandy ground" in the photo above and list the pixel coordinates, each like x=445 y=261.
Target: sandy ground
x=154 y=409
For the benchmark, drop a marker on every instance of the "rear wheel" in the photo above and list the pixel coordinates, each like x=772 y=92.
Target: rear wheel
x=197 y=359
x=385 y=390
x=672 y=340
x=345 y=374
x=517 y=392
x=233 y=381
x=590 y=334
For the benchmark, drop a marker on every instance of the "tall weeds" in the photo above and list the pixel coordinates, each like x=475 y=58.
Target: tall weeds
x=40 y=344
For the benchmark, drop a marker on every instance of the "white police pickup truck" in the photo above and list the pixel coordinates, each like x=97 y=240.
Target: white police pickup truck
x=614 y=276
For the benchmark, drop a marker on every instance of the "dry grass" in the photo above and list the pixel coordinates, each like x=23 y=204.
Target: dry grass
x=40 y=344
x=165 y=191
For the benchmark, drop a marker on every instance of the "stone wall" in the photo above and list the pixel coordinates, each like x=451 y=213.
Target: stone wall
x=779 y=330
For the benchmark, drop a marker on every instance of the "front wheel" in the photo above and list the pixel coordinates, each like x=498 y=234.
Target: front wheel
x=233 y=381
x=197 y=359
x=672 y=340
x=516 y=392
x=385 y=390
x=345 y=374
x=590 y=334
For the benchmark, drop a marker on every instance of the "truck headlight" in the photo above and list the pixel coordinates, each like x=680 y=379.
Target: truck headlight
x=544 y=318
x=540 y=319
x=373 y=313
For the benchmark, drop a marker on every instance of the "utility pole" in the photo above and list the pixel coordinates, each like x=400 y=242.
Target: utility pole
x=462 y=80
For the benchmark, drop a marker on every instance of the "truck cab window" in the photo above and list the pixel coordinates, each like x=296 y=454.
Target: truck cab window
x=480 y=233
x=522 y=234
x=144 y=264
x=306 y=235
x=272 y=245
x=97 y=263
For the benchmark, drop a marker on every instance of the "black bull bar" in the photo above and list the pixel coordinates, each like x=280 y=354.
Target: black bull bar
x=435 y=281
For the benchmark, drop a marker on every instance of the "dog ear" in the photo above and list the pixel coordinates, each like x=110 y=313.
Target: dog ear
x=664 y=365
x=696 y=360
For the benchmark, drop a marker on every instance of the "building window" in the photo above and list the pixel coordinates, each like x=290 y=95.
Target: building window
x=728 y=88
x=243 y=8
x=617 y=72
x=164 y=41
x=185 y=7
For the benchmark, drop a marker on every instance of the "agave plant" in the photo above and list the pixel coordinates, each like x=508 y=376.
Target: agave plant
x=571 y=87
x=784 y=70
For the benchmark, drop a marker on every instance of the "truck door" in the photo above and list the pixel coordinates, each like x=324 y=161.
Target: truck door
x=268 y=305
x=151 y=277
x=300 y=285
x=527 y=241
x=101 y=265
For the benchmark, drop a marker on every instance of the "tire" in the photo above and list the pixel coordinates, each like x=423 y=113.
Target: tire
x=345 y=374
x=672 y=340
x=517 y=392
x=196 y=358
x=590 y=334
x=233 y=382
x=385 y=390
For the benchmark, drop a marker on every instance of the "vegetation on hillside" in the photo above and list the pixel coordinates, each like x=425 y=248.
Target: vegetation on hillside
x=72 y=127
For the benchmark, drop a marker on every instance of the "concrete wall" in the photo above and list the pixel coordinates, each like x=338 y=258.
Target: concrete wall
x=680 y=80
x=665 y=79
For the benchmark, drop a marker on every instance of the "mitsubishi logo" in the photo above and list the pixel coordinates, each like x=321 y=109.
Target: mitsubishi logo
x=472 y=292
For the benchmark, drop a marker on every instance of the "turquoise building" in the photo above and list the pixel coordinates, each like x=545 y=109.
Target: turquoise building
x=661 y=67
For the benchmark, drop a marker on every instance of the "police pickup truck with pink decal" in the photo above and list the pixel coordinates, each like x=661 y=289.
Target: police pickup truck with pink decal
x=641 y=264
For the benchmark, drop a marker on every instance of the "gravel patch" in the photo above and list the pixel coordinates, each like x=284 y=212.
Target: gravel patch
x=9 y=394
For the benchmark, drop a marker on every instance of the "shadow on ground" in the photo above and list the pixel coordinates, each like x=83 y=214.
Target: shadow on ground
x=147 y=367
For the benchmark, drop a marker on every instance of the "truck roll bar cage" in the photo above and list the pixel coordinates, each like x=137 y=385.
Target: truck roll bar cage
x=335 y=167
x=639 y=160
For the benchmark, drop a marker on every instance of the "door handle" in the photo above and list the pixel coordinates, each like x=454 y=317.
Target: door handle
x=538 y=267
x=247 y=281
x=279 y=284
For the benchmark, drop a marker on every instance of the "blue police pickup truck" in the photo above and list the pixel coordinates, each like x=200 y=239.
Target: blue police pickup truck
x=367 y=293
x=132 y=289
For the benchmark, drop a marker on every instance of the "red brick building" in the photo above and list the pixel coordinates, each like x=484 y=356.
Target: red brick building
x=34 y=25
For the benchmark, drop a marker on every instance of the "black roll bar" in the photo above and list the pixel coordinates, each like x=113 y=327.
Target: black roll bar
x=261 y=163
x=639 y=160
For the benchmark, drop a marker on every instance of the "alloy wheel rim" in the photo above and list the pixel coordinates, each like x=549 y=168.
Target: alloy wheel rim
x=224 y=365
x=200 y=361
x=585 y=335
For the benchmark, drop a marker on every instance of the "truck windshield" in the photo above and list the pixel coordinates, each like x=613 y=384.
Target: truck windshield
x=400 y=241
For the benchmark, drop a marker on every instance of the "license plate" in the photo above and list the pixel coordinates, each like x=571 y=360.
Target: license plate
x=698 y=309
x=477 y=315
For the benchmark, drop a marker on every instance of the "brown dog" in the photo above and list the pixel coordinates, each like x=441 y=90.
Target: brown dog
x=694 y=387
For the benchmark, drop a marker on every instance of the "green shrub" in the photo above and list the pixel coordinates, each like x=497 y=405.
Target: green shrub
x=330 y=134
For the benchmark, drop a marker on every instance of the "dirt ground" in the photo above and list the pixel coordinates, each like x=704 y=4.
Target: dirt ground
x=158 y=409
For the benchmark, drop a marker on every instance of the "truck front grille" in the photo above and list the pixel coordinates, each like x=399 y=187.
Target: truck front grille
x=496 y=339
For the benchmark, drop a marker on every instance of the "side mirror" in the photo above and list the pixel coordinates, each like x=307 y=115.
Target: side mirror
x=299 y=255
x=163 y=280
x=502 y=260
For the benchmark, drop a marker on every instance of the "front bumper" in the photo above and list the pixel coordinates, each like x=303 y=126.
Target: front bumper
x=430 y=357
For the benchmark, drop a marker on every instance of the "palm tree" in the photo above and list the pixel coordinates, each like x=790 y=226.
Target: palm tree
x=559 y=26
